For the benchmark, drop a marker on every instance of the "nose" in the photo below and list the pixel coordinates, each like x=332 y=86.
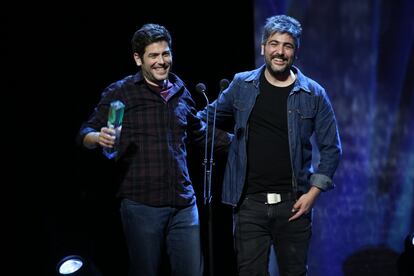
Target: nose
x=161 y=59
x=279 y=50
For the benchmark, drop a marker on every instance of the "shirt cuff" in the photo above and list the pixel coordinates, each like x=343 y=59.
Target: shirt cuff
x=322 y=182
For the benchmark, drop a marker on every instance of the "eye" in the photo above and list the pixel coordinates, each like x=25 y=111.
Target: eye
x=289 y=46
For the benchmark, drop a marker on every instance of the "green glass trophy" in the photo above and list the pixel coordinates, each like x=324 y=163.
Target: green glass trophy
x=115 y=117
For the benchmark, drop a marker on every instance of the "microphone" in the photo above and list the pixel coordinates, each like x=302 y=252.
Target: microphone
x=201 y=88
x=224 y=83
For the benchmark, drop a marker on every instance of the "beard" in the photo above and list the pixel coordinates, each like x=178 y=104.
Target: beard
x=278 y=70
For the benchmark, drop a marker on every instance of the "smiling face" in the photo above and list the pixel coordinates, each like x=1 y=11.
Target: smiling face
x=155 y=63
x=279 y=53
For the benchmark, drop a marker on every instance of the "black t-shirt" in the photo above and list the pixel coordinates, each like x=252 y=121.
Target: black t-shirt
x=269 y=166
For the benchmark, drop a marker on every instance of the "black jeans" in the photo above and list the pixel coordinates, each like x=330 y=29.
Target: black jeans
x=257 y=225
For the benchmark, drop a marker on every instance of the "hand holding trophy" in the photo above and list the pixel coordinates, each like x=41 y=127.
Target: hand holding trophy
x=115 y=117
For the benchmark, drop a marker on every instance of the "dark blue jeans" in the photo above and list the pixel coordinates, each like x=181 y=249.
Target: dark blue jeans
x=257 y=225
x=151 y=230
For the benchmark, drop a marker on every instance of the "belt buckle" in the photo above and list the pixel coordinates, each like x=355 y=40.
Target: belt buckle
x=273 y=198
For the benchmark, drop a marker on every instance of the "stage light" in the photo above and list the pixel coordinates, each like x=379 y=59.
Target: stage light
x=409 y=243
x=405 y=260
x=70 y=265
x=75 y=265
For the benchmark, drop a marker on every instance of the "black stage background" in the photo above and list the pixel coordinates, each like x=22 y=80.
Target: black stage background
x=60 y=58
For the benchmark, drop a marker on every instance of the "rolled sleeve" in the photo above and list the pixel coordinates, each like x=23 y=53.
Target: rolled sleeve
x=322 y=182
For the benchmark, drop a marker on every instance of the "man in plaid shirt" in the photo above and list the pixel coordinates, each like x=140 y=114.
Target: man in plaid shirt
x=158 y=205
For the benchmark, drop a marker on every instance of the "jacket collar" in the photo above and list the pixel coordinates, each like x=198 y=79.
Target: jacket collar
x=301 y=83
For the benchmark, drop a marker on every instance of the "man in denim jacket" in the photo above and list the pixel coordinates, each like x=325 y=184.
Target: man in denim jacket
x=270 y=178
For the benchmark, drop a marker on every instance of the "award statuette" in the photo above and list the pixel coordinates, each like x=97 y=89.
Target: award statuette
x=115 y=116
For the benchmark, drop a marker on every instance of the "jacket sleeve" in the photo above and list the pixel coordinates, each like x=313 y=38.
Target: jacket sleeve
x=328 y=142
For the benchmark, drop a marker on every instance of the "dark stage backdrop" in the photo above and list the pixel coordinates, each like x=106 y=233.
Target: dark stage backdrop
x=61 y=56
x=362 y=52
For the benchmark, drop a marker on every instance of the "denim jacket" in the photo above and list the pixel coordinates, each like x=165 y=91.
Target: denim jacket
x=310 y=114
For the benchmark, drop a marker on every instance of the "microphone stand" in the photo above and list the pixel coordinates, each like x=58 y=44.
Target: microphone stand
x=205 y=161
x=207 y=189
x=208 y=168
x=209 y=197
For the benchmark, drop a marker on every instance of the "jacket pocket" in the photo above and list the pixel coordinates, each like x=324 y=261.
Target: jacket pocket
x=306 y=122
x=306 y=113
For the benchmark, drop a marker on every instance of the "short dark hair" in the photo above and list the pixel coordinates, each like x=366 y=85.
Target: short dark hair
x=282 y=24
x=148 y=34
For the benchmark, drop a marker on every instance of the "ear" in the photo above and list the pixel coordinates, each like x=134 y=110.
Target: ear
x=262 y=50
x=137 y=59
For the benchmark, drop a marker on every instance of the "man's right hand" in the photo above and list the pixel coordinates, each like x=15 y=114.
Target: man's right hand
x=106 y=138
